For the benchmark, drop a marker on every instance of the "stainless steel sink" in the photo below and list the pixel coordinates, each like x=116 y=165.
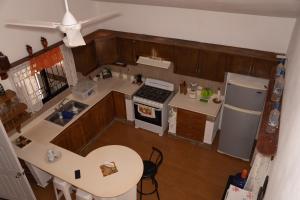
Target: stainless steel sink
x=66 y=112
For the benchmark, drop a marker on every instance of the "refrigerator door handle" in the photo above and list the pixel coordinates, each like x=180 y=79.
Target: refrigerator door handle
x=252 y=112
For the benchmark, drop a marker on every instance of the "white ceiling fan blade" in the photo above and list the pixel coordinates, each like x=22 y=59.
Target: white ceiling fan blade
x=73 y=38
x=100 y=18
x=37 y=24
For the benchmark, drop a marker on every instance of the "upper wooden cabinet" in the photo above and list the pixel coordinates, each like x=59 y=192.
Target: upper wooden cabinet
x=199 y=63
x=85 y=58
x=152 y=49
x=202 y=60
x=212 y=65
x=186 y=61
x=239 y=64
x=106 y=50
x=126 y=52
x=263 y=68
x=251 y=66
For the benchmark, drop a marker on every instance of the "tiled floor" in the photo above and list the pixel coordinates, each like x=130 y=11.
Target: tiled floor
x=188 y=172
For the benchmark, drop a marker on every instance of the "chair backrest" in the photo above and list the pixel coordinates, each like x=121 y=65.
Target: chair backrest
x=156 y=157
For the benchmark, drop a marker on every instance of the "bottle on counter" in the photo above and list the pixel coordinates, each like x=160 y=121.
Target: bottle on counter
x=278 y=87
x=273 y=118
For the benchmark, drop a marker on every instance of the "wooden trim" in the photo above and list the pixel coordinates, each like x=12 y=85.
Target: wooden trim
x=103 y=33
x=267 y=142
x=22 y=60
x=186 y=43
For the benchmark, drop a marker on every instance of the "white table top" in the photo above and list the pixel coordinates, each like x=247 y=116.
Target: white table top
x=209 y=108
x=128 y=162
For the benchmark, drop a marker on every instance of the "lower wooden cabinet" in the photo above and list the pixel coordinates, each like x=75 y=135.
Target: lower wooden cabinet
x=190 y=125
x=90 y=123
x=119 y=105
x=107 y=110
x=72 y=138
x=79 y=133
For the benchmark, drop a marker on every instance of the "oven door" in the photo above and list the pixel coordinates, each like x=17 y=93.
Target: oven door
x=156 y=120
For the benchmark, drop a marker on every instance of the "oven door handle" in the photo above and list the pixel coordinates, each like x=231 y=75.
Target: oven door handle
x=156 y=109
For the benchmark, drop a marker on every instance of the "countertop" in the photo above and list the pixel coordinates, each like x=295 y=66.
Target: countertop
x=209 y=108
x=41 y=132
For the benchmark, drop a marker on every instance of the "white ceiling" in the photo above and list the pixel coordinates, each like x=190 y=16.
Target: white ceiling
x=279 y=8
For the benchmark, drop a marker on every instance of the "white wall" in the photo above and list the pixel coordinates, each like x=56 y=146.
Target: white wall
x=13 y=40
x=249 y=31
x=285 y=176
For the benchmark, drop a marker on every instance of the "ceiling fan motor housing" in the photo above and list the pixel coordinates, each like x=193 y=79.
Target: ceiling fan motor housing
x=69 y=19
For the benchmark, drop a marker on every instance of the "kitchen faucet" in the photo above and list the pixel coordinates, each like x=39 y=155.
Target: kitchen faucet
x=61 y=104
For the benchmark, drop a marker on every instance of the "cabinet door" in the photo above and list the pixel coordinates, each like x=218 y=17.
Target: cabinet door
x=186 y=61
x=126 y=53
x=119 y=105
x=239 y=64
x=72 y=138
x=76 y=136
x=106 y=50
x=151 y=49
x=107 y=110
x=212 y=65
x=90 y=123
x=190 y=125
x=263 y=68
x=62 y=140
x=85 y=58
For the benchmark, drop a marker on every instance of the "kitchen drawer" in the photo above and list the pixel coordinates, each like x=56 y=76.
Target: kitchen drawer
x=245 y=98
x=190 y=125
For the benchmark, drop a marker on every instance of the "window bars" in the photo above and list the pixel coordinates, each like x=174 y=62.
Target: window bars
x=36 y=89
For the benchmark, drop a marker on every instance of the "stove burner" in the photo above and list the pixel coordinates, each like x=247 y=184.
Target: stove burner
x=153 y=93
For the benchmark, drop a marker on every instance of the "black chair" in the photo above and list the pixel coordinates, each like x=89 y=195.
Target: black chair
x=150 y=169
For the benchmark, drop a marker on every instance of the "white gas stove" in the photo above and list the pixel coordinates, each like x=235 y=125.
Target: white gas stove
x=151 y=105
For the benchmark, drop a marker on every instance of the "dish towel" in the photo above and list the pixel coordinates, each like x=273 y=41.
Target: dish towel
x=146 y=111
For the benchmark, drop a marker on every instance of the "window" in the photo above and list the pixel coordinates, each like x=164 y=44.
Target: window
x=51 y=81
x=36 y=89
x=43 y=77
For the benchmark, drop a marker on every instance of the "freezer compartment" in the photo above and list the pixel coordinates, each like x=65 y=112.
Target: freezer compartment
x=238 y=131
x=245 y=98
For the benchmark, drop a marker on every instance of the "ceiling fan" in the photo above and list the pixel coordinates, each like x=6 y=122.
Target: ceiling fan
x=69 y=25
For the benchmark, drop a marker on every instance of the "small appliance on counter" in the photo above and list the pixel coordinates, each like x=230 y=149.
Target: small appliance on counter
x=139 y=79
x=84 y=89
x=192 y=90
x=106 y=73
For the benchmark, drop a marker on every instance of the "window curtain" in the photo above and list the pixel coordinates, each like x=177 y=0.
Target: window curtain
x=45 y=60
x=26 y=86
x=69 y=65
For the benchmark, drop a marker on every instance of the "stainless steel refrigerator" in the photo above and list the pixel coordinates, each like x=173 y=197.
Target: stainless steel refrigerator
x=242 y=110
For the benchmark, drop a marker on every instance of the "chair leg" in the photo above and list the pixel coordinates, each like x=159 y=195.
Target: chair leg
x=156 y=188
x=157 y=195
x=141 y=190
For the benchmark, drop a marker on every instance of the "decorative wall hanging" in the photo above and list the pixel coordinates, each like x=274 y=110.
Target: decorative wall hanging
x=4 y=66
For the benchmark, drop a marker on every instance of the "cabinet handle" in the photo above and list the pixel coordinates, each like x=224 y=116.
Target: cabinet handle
x=249 y=71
